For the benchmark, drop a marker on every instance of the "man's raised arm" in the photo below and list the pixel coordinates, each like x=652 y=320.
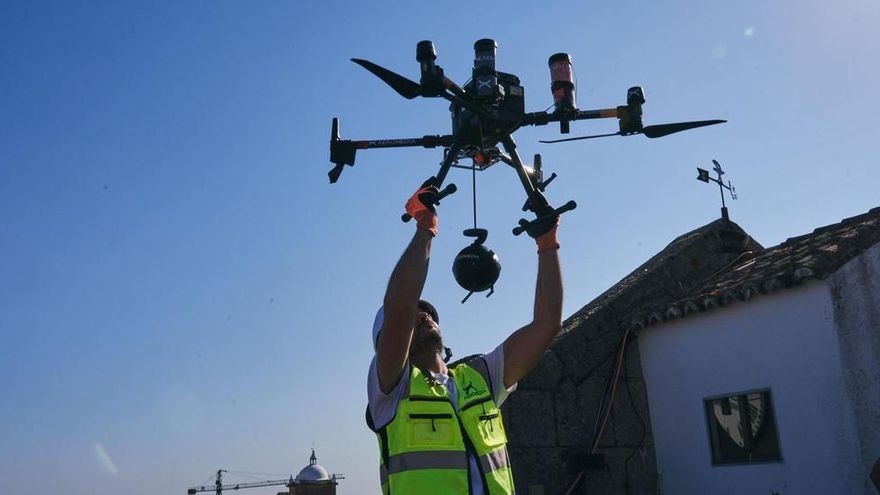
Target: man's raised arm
x=404 y=289
x=524 y=348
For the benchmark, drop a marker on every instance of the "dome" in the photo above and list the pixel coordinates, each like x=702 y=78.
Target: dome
x=313 y=472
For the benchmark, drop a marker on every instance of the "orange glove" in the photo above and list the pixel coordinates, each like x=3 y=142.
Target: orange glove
x=547 y=241
x=421 y=207
x=544 y=230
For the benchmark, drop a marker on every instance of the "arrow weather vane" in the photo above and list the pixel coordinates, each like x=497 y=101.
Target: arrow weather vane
x=704 y=176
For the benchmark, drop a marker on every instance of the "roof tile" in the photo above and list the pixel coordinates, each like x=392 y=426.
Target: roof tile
x=719 y=263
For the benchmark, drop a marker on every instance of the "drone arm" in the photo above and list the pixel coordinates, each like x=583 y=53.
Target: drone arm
x=343 y=151
x=514 y=160
x=543 y=118
x=605 y=113
x=451 y=86
x=424 y=141
x=536 y=198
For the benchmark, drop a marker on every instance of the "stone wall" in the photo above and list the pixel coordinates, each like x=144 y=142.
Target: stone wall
x=550 y=421
x=855 y=290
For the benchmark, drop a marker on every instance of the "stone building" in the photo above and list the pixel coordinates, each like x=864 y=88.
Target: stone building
x=718 y=358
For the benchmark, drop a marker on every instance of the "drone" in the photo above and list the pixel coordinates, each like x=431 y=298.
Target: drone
x=485 y=113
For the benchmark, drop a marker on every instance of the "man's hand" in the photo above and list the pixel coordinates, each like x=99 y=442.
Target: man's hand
x=543 y=230
x=421 y=206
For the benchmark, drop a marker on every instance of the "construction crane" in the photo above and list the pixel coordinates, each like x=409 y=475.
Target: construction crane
x=219 y=486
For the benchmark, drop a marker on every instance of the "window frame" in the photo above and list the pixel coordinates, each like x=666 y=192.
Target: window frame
x=710 y=435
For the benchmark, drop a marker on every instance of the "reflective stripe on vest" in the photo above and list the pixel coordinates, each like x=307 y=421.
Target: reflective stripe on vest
x=427 y=452
x=496 y=459
x=426 y=460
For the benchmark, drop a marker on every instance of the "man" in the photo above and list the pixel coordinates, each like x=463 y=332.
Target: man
x=439 y=428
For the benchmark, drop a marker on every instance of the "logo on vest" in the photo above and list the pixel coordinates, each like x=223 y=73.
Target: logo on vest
x=470 y=391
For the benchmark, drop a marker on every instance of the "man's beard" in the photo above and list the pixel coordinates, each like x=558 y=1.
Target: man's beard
x=428 y=342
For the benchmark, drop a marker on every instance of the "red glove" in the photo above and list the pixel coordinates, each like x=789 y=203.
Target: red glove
x=421 y=207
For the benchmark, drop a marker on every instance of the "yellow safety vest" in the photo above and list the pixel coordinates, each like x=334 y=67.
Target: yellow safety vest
x=423 y=450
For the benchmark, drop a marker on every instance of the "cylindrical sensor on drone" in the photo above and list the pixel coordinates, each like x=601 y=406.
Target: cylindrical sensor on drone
x=426 y=54
x=562 y=82
x=484 y=75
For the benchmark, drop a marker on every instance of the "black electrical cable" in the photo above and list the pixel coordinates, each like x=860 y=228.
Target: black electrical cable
x=607 y=396
x=593 y=440
x=641 y=445
x=474 y=182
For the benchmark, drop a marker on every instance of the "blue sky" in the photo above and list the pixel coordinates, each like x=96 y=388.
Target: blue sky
x=181 y=289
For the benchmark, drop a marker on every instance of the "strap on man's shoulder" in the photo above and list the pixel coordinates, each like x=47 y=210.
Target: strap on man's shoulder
x=464 y=360
x=478 y=363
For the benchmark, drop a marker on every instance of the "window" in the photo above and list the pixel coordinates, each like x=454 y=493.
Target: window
x=742 y=428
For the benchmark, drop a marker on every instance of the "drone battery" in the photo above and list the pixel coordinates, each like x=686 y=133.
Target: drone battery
x=562 y=82
x=484 y=75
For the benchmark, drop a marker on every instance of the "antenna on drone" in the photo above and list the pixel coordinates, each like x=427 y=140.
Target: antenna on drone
x=703 y=175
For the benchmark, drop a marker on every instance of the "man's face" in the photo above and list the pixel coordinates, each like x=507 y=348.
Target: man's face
x=426 y=336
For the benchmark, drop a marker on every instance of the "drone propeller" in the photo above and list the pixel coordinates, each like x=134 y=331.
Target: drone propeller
x=651 y=131
x=581 y=137
x=404 y=87
x=655 y=131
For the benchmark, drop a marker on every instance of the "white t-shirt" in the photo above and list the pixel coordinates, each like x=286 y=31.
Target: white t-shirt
x=383 y=407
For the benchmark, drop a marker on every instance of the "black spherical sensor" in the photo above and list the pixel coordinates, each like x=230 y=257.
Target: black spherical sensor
x=476 y=268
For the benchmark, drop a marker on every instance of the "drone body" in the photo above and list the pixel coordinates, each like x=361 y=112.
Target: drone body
x=486 y=111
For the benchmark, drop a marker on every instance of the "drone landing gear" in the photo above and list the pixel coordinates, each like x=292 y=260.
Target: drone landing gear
x=449 y=189
x=534 y=187
x=476 y=268
x=538 y=179
x=525 y=224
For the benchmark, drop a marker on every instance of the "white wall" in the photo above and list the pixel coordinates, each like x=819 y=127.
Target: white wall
x=786 y=341
x=855 y=290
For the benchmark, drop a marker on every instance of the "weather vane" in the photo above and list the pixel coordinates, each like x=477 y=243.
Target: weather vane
x=704 y=176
